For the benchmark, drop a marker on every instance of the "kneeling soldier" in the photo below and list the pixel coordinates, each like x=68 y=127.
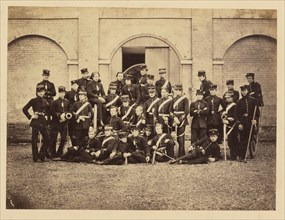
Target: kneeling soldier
x=203 y=151
x=163 y=145
x=138 y=149
x=38 y=123
x=60 y=111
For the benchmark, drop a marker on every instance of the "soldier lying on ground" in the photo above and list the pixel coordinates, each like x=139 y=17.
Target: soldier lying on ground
x=203 y=151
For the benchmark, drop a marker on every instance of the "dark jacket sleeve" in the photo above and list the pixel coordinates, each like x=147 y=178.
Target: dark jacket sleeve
x=52 y=90
x=90 y=93
x=26 y=108
x=200 y=142
x=192 y=110
x=138 y=93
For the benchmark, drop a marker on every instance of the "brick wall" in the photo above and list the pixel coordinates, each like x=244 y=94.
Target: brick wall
x=255 y=54
x=27 y=57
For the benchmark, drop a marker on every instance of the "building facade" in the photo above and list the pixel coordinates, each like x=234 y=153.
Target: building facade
x=225 y=43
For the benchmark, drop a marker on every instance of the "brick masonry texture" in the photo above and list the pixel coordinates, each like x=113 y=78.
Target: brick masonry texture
x=225 y=43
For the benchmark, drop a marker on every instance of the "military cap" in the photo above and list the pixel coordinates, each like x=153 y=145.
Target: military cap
x=84 y=70
x=61 y=89
x=108 y=127
x=113 y=86
x=244 y=87
x=199 y=92
x=46 y=72
x=82 y=92
x=150 y=76
x=201 y=73
x=40 y=88
x=73 y=82
x=122 y=134
x=230 y=82
x=113 y=106
x=178 y=86
x=148 y=127
x=229 y=94
x=213 y=132
x=143 y=66
x=134 y=127
x=162 y=70
x=125 y=98
x=250 y=75
x=213 y=86
x=151 y=89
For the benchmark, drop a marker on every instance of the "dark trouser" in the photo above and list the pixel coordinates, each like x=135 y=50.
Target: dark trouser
x=71 y=132
x=80 y=134
x=137 y=157
x=197 y=160
x=82 y=156
x=99 y=104
x=43 y=151
x=181 y=140
x=233 y=143
x=70 y=154
x=116 y=160
x=197 y=134
x=105 y=154
x=55 y=129
x=244 y=135
x=169 y=152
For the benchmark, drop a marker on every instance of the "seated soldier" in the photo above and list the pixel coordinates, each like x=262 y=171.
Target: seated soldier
x=138 y=150
x=139 y=119
x=125 y=111
x=112 y=99
x=203 y=151
x=120 y=149
x=108 y=144
x=163 y=145
x=149 y=135
x=84 y=151
x=115 y=121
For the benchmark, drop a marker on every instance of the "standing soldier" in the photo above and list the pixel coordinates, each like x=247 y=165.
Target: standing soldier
x=199 y=111
x=82 y=112
x=82 y=82
x=126 y=112
x=60 y=111
x=96 y=95
x=205 y=84
x=144 y=90
x=112 y=99
x=49 y=86
x=215 y=104
x=255 y=89
x=244 y=113
x=163 y=145
x=142 y=81
x=162 y=111
x=150 y=106
x=72 y=97
x=229 y=118
x=119 y=83
x=132 y=90
x=230 y=85
x=138 y=149
x=179 y=109
x=38 y=123
x=163 y=82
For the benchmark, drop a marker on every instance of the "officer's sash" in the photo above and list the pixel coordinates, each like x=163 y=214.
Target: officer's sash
x=152 y=104
x=128 y=112
x=107 y=139
x=139 y=122
x=165 y=84
x=160 y=139
x=230 y=106
x=178 y=101
x=162 y=104
x=113 y=101
x=81 y=108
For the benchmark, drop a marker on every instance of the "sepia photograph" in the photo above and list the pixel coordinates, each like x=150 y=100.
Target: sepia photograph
x=151 y=108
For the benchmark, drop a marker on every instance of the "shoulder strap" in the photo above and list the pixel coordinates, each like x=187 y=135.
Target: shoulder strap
x=128 y=112
x=230 y=106
x=113 y=101
x=162 y=104
x=152 y=104
x=178 y=101
x=81 y=108
x=159 y=139
x=165 y=84
x=107 y=139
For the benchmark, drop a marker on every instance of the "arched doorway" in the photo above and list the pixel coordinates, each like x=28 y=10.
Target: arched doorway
x=27 y=57
x=258 y=54
x=154 y=52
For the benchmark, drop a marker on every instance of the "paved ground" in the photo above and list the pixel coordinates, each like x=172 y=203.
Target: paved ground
x=223 y=185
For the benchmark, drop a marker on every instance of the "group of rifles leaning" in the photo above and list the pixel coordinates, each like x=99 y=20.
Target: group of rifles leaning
x=139 y=120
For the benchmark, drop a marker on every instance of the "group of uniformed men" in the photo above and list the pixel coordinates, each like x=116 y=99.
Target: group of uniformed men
x=139 y=119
